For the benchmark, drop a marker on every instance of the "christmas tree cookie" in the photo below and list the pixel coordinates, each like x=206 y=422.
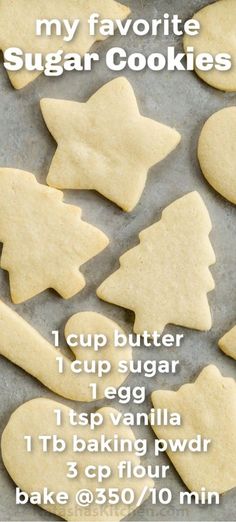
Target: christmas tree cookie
x=44 y=240
x=165 y=279
x=206 y=431
x=227 y=343
x=18 y=28
x=106 y=144
x=35 y=470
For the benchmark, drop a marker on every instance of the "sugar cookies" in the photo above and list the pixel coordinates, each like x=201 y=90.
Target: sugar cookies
x=227 y=343
x=18 y=27
x=217 y=152
x=165 y=279
x=36 y=470
x=25 y=347
x=208 y=409
x=45 y=241
x=105 y=144
x=217 y=35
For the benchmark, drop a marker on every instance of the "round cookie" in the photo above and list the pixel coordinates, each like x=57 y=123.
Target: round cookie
x=216 y=35
x=43 y=475
x=217 y=152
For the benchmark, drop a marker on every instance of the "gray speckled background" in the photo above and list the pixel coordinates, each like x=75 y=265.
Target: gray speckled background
x=177 y=99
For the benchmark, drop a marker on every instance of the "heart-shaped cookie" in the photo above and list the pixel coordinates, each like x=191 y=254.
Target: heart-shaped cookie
x=33 y=471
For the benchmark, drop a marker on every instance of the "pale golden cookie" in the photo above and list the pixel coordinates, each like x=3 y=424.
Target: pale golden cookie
x=45 y=241
x=165 y=279
x=105 y=144
x=25 y=347
x=36 y=470
x=207 y=408
x=217 y=152
x=216 y=36
x=227 y=343
x=18 y=27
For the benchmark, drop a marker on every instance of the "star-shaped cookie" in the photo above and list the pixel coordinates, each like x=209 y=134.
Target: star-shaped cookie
x=106 y=144
x=18 y=28
x=208 y=410
x=44 y=240
x=165 y=279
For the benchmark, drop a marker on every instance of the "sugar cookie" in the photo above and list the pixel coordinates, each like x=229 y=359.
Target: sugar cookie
x=165 y=279
x=227 y=343
x=217 y=152
x=45 y=241
x=25 y=347
x=36 y=470
x=216 y=36
x=208 y=412
x=18 y=28
x=105 y=144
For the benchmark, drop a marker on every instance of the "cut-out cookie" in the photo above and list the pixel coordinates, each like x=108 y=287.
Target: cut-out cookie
x=45 y=240
x=217 y=152
x=165 y=279
x=25 y=347
x=18 y=28
x=216 y=36
x=227 y=343
x=105 y=144
x=208 y=409
x=36 y=470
